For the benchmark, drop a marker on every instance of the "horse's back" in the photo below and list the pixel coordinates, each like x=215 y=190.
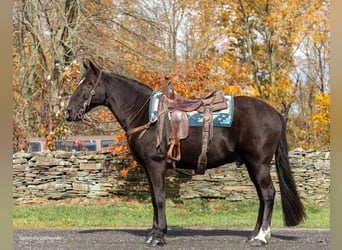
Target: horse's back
x=255 y=129
x=251 y=112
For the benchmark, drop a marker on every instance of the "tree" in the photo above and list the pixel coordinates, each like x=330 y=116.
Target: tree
x=43 y=47
x=275 y=50
x=48 y=36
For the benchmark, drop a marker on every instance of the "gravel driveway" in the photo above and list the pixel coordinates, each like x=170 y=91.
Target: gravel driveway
x=178 y=238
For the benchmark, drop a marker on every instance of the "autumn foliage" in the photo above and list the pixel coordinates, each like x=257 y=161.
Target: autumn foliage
x=277 y=51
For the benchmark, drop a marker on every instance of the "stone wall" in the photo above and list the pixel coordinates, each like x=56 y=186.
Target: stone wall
x=60 y=175
x=311 y=170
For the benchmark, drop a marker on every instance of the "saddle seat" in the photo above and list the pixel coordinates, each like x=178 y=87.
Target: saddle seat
x=215 y=99
x=182 y=104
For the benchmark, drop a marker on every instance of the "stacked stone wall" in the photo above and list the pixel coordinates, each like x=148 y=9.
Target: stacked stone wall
x=60 y=175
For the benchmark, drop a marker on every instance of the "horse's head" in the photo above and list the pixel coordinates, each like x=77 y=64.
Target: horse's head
x=88 y=94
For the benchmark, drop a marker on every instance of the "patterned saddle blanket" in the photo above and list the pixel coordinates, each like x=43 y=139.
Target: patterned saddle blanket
x=221 y=118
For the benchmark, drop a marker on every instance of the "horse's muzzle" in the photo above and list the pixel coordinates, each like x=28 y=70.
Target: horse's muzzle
x=67 y=114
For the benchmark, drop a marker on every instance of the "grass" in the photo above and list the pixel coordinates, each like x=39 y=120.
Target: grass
x=188 y=213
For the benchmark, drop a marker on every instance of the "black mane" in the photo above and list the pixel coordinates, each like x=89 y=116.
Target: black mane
x=132 y=82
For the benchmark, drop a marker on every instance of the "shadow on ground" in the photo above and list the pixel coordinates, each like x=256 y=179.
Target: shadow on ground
x=185 y=232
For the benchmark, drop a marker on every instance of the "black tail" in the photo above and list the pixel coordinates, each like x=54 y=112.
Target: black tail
x=293 y=209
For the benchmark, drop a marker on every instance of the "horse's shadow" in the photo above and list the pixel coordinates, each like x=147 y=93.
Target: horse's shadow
x=186 y=232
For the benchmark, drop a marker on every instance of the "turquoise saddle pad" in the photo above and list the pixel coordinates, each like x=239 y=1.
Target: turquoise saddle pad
x=222 y=118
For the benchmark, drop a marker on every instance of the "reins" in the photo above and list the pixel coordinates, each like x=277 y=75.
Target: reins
x=150 y=122
x=137 y=113
x=142 y=127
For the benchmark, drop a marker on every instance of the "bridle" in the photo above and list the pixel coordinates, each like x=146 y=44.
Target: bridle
x=81 y=112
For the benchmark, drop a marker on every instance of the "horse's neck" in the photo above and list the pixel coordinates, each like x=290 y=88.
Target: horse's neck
x=128 y=101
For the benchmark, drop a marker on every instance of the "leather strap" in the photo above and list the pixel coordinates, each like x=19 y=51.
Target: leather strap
x=207 y=135
x=140 y=128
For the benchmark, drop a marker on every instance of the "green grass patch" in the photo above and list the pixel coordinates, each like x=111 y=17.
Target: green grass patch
x=188 y=213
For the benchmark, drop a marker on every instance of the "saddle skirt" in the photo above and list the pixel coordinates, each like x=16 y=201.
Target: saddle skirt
x=221 y=118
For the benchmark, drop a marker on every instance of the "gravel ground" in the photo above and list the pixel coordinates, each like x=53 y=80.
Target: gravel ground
x=178 y=238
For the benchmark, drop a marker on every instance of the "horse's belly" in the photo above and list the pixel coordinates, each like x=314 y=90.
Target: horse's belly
x=220 y=149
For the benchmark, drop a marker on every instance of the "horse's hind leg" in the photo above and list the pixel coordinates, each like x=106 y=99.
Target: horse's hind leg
x=260 y=175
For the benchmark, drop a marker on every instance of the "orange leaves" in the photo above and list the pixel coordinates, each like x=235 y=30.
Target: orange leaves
x=242 y=47
x=71 y=72
x=120 y=144
x=189 y=79
x=125 y=171
x=64 y=76
x=50 y=141
x=105 y=116
x=19 y=138
x=121 y=148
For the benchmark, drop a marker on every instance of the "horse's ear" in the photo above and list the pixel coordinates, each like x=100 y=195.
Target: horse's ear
x=88 y=64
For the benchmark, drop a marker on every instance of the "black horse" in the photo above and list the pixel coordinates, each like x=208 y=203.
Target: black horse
x=256 y=134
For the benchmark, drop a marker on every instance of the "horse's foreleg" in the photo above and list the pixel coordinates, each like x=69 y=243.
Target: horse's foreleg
x=266 y=192
x=156 y=177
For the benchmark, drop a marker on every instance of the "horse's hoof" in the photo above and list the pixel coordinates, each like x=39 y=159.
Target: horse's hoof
x=260 y=239
x=158 y=242
x=148 y=239
x=256 y=243
x=250 y=239
x=154 y=241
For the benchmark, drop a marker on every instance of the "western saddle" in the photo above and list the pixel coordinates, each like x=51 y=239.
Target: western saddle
x=176 y=106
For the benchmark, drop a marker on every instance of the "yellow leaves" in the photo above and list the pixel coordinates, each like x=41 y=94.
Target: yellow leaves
x=319 y=37
x=242 y=47
x=323 y=100
x=321 y=116
x=321 y=119
x=233 y=90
